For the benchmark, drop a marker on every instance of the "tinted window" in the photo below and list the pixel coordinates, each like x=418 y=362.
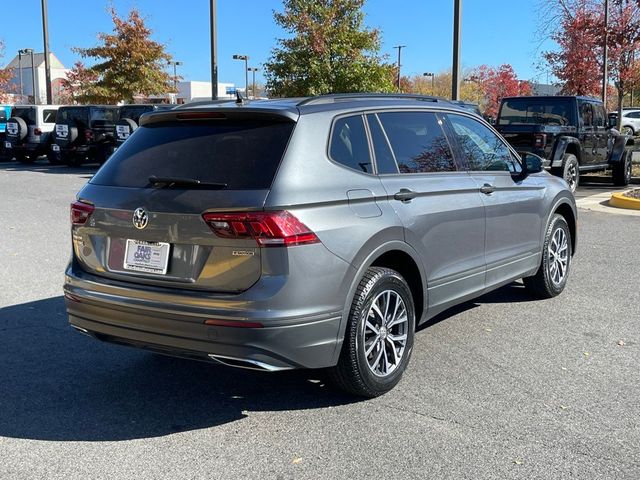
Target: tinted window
x=3 y=115
x=25 y=113
x=349 y=144
x=134 y=112
x=244 y=155
x=49 y=116
x=547 y=111
x=586 y=114
x=632 y=115
x=78 y=115
x=418 y=142
x=598 y=115
x=384 y=157
x=482 y=149
x=102 y=114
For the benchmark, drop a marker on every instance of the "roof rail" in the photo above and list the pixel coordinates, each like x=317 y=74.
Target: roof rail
x=341 y=97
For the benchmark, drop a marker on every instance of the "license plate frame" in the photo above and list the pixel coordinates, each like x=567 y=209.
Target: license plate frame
x=152 y=258
x=55 y=147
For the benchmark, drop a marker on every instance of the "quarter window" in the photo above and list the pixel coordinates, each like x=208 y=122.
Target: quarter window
x=384 y=157
x=418 y=142
x=482 y=149
x=49 y=116
x=349 y=145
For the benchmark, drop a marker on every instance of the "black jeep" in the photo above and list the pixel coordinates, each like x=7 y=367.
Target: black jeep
x=84 y=133
x=571 y=133
x=129 y=118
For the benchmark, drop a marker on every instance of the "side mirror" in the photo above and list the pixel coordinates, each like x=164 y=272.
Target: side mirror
x=531 y=163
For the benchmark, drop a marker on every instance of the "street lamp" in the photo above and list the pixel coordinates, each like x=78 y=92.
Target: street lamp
x=432 y=75
x=246 y=71
x=29 y=51
x=175 y=74
x=20 y=71
x=253 y=88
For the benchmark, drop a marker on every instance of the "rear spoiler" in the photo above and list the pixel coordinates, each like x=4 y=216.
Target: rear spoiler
x=220 y=113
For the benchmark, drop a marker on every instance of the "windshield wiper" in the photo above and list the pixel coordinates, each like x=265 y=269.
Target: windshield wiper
x=169 y=182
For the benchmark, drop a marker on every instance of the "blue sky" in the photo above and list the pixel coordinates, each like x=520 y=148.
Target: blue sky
x=493 y=32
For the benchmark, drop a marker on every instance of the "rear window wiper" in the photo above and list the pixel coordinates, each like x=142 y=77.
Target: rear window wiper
x=170 y=182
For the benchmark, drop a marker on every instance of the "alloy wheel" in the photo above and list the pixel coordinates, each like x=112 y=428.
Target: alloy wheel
x=558 y=256
x=571 y=176
x=385 y=333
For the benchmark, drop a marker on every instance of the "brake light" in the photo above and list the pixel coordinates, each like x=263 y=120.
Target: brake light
x=80 y=212
x=268 y=229
x=88 y=134
x=540 y=140
x=37 y=131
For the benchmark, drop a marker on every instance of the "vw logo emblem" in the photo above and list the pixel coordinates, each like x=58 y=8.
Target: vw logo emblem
x=140 y=218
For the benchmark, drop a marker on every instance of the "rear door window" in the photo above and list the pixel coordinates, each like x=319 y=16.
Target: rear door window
x=78 y=115
x=49 y=116
x=241 y=154
x=418 y=142
x=349 y=145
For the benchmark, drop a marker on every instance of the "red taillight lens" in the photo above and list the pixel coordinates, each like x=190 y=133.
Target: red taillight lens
x=88 y=134
x=37 y=131
x=269 y=229
x=539 y=140
x=80 y=212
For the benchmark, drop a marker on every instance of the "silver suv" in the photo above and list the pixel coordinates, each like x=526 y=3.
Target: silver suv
x=313 y=233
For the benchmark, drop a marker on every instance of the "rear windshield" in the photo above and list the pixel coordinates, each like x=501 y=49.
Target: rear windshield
x=134 y=112
x=104 y=114
x=25 y=113
x=79 y=115
x=524 y=111
x=244 y=155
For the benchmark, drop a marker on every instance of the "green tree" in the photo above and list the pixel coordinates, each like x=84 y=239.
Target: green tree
x=328 y=51
x=128 y=64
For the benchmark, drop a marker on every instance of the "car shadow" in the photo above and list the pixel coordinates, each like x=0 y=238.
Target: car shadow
x=60 y=385
x=43 y=166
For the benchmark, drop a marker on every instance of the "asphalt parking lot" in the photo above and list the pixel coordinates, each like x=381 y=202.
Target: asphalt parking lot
x=501 y=387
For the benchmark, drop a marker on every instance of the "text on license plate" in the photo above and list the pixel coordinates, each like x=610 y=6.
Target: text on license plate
x=149 y=257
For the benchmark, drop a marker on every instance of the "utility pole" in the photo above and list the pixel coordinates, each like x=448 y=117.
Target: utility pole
x=214 y=51
x=399 y=47
x=20 y=71
x=432 y=75
x=175 y=73
x=455 y=70
x=47 y=66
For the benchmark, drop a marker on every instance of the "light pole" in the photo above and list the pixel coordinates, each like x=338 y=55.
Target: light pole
x=47 y=66
x=246 y=71
x=29 y=51
x=605 y=53
x=432 y=75
x=214 y=50
x=455 y=70
x=399 y=47
x=175 y=73
x=253 y=88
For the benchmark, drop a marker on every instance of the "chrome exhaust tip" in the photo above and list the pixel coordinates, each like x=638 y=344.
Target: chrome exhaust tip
x=246 y=363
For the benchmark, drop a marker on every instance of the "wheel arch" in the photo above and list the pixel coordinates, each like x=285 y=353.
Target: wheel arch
x=568 y=212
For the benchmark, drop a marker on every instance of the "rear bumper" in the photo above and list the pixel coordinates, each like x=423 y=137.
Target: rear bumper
x=288 y=339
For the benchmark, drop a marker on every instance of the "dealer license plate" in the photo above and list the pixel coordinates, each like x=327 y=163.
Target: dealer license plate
x=149 y=257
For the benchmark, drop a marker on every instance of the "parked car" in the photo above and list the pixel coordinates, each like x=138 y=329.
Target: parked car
x=630 y=120
x=29 y=129
x=129 y=117
x=571 y=133
x=84 y=133
x=309 y=234
x=5 y=113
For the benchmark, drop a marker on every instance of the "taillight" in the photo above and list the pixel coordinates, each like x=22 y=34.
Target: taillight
x=88 y=134
x=80 y=212
x=268 y=229
x=37 y=131
x=540 y=140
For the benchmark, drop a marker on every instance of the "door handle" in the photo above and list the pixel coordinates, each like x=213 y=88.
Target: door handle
x=405 y=195
x=487 y=189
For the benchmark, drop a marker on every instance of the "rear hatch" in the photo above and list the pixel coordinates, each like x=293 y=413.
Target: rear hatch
x=147 y=222
x=28 y=114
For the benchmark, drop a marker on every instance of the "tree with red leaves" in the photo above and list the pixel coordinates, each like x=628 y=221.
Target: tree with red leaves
x=498 y=83
x=577 y=61
x=77 y=85
x=6 y=75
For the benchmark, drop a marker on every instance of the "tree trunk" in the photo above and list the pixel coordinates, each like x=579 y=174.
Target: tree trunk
x=620 y=98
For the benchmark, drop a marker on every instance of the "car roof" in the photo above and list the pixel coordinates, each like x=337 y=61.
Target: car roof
x=333 y=102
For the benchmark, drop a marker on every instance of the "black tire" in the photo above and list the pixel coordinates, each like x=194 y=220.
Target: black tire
x=628 y=130
x=24 y=159
x=542 y=284
x=569 y=171
x=621 y=171
x=73 y=159
x=353 y=372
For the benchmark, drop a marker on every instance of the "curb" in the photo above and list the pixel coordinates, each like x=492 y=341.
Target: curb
x=620 y=201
